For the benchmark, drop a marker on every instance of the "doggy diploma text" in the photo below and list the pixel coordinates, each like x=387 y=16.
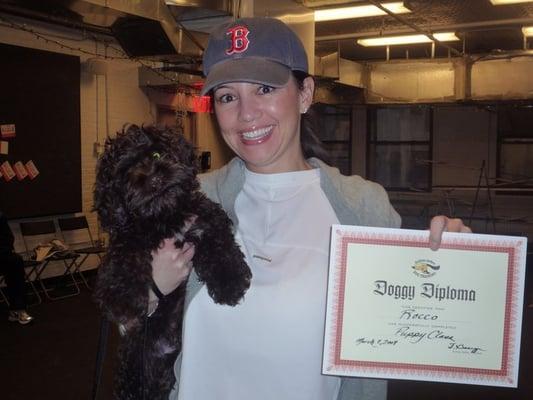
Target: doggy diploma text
x=396 y=309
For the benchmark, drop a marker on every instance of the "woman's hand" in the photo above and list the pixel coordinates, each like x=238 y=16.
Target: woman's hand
x=440 y=224
x=171 y=266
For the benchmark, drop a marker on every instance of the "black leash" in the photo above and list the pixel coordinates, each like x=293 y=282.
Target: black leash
x=160 y=296
x=100 y=355
x=155 y=289
x=102 y=348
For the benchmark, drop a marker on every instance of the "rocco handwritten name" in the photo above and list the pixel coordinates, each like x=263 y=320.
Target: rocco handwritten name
x=426 y=290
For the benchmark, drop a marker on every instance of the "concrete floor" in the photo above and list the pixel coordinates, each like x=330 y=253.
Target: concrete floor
x=54 y=358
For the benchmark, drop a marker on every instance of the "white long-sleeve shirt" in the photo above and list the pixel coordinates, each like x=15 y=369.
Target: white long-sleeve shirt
x=270 y=345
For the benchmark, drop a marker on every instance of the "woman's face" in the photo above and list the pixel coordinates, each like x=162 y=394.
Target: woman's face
x=262 y=124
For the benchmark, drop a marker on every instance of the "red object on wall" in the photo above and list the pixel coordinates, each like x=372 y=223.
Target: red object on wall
x=7 y=171
x=32 y=169
x=7 y=131
x=20 y=170
x=201 y=104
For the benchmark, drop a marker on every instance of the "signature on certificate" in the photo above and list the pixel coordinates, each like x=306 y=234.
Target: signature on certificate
x=413 y=332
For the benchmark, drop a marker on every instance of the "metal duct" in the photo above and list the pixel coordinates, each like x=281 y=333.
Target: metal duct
x=148 y=28
x=295 y=15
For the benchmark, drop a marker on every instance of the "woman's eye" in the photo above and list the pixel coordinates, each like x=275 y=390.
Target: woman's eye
x=225 y=98
x=265 y=89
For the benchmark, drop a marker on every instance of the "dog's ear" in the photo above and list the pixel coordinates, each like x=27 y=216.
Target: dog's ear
x=107 y=198
x=187 y=154
x=103 y=186
x=175 y=141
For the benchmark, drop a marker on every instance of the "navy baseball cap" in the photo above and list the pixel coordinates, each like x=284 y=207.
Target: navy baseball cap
x=256 y=50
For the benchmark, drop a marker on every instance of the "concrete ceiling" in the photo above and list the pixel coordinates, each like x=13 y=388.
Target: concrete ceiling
x=483 y=28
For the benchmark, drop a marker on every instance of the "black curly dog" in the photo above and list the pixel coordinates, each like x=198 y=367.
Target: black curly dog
x=146 y=190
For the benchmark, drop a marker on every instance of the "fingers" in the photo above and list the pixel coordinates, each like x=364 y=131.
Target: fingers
x=436 y=227
x=184 y=258
x=440 y=224
x=171 y=265
x=188 y=223
x=457 y=225
x=167 y=245
x=168 y=248
x=187 y=252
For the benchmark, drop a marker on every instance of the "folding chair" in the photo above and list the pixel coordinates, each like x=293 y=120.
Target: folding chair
x=31 y=265
x=76 y=233
x=34 y=233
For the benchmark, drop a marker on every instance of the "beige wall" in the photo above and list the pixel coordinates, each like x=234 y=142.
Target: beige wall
x=203 y=133
x=209 y=139
x=106 y=101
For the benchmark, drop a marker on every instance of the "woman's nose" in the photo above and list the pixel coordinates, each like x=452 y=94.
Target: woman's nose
x=249 y=109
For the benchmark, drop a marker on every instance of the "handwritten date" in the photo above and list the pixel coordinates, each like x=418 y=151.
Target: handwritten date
x=376 y=342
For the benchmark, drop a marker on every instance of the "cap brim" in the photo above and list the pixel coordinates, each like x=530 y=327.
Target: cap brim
x=252 y=70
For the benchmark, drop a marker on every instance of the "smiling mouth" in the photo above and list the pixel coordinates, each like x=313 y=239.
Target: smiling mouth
x=257 y=135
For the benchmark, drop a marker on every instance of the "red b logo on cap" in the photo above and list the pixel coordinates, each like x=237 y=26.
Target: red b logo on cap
x=239 y=39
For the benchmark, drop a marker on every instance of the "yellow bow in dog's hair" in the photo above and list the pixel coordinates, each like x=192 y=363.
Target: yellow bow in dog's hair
x=155 y=154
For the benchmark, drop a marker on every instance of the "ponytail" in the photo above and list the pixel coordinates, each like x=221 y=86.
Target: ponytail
x=311 y=144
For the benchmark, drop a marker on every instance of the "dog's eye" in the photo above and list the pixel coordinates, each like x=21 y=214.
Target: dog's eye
x=156 y=155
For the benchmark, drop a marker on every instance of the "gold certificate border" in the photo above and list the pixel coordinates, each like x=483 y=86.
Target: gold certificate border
x=506 y=375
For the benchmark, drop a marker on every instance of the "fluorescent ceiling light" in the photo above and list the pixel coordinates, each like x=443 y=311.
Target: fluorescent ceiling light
x=503 y=2
x=396 y=7
x=527 y=31
x=406 y=39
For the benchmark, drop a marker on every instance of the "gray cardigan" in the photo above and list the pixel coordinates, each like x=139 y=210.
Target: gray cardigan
x=355 y=202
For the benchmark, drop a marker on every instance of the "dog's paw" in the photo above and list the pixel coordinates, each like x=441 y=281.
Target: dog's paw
x=230 y=283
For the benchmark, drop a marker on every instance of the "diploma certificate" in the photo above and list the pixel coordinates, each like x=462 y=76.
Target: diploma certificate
x=396 y=309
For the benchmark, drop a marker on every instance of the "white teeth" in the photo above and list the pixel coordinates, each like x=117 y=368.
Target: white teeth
x=256 y=133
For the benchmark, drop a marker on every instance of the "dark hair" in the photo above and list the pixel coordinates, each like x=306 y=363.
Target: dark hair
x=311 y=144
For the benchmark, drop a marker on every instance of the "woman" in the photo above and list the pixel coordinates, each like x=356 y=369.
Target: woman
x=12 y=267
x=283 y=202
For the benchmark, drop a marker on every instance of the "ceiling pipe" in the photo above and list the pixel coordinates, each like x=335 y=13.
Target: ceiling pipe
x=38 y=16
x=327 y=3
x=191 y=37
x=497 y=24
x=414 y=27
